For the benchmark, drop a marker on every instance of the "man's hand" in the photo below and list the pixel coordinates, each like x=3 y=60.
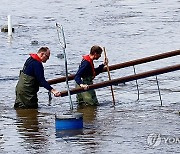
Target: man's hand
x=85 y=86
x=56 y=93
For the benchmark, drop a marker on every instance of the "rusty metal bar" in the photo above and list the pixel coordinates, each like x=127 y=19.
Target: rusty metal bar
x=125 y=64
x=124 y=79
x=61 y=79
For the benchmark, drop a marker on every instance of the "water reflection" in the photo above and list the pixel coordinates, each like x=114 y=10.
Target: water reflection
x=89 y=140
x=28 y=126
x=68 y=134
x=89 y=113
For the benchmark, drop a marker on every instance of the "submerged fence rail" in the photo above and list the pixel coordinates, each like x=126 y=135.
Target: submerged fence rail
x=125 y=64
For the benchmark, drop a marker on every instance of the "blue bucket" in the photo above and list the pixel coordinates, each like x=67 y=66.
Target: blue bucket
x=69 y=121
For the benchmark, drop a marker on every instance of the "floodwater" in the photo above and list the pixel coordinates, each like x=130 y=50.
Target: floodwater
x=129 y=29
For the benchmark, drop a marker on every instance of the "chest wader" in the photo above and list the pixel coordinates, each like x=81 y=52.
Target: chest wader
x=26 y=92
x=88 y=97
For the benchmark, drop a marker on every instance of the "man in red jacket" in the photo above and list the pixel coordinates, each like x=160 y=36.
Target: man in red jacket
x=86 y=73
x=31 y=78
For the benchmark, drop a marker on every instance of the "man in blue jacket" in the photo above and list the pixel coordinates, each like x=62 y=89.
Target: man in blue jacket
x=86 y=73
x=31 y=78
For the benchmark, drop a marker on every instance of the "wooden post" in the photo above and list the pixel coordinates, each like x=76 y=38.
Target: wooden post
x=105 y=55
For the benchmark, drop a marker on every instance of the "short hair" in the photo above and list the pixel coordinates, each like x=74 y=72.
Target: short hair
x=96 y=49
x=43 y=49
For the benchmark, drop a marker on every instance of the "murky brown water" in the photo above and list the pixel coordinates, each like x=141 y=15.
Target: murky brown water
x=129 y=30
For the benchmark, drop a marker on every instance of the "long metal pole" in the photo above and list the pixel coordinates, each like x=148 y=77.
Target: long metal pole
x=112 y=92
x=136 y=82
x=63 y=45
x=125 y=64
x=124 y=79
x=159 y=90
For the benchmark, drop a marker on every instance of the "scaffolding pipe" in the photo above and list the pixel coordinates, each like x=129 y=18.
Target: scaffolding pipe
x=125 y=64
x=124 y=79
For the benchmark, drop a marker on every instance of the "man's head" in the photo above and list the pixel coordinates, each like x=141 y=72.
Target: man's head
x=44 y=54
x=96 y=52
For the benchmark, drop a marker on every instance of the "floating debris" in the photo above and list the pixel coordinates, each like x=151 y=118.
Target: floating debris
x=35 y=42
x=5 y=29
x=61 y=56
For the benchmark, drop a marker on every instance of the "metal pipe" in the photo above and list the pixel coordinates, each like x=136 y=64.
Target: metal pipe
x=159 y=90
x=63 y=45
x=123 y=79
x=136 y=83
x=125 y=64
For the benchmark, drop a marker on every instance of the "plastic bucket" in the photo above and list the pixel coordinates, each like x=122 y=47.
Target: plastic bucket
x=69 y=121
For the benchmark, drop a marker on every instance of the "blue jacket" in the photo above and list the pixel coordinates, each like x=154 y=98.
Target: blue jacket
x=85 y=70
x=35 y=69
